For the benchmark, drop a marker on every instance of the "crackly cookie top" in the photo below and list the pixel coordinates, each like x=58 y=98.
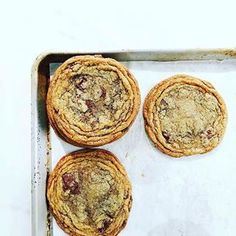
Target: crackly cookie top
x=90 y=194
x=91 y=97
x=188 y=116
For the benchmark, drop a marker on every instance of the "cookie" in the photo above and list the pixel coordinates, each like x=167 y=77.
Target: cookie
x=184 y=116
x=92 y=100
x=89 y=193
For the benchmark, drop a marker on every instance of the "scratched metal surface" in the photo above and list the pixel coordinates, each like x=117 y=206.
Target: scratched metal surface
x=191 y=196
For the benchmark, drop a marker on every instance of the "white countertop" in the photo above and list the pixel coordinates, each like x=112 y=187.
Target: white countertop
x=28 y=28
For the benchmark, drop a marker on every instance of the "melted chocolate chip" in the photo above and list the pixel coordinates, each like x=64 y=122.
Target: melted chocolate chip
x=106 y=224
x=163 y=102
x=90 y=104
x=103 y=94
x=79 y=80
x=166 y=136
x=69 y=183
x=209 y=134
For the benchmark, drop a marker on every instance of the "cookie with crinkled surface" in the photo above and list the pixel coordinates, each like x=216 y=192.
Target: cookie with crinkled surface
x=89 y=193
x=92 y=100
x=184 y=116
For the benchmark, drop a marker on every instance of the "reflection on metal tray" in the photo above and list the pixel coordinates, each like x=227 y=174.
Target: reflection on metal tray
x=187 y=196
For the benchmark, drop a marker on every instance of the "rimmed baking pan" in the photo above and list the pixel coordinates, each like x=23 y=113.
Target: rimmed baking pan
x=188 y=196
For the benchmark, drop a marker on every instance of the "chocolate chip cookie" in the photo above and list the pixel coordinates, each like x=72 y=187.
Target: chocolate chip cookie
x=92 y=100
x=184 y=116
x=89 y=193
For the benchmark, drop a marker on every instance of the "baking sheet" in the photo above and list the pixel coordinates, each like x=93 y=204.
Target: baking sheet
x=190 y=196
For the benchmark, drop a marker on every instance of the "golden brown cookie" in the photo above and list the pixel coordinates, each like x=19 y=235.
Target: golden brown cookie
x=184 y=116
x=89 y=193
x=92 y=100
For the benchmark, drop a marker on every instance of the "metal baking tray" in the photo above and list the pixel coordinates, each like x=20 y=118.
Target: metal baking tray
x=191 y=196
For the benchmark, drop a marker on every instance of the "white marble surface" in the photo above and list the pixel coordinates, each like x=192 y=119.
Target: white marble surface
x=28 y=28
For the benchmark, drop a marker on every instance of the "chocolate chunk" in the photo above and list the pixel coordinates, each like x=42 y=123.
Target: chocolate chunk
x=79 y=81
x=209 y=134
x=69 y=183
x=166 y=136
x=90 y=104
x=103 y=94
x=163 y=102
x=106 y=224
